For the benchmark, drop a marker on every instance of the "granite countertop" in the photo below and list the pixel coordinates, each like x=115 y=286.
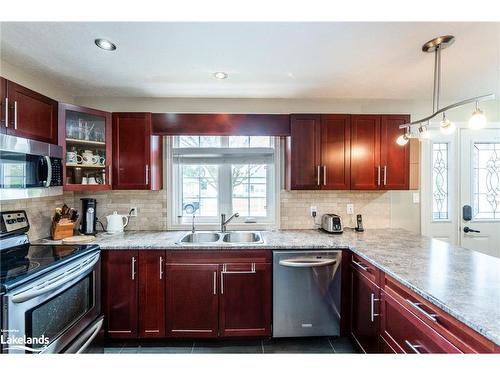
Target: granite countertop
x=464 y=283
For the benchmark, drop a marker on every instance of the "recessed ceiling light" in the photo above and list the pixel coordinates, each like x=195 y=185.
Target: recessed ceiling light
x=220 y=75
x=105 y=44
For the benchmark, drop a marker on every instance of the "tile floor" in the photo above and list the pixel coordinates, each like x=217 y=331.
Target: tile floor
x=295 y=345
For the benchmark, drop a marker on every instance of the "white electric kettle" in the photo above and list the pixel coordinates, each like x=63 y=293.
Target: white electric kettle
x=116 y=222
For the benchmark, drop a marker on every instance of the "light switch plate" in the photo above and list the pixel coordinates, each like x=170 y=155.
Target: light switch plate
x=314 y=211
x=416 y=197
x=350 y=209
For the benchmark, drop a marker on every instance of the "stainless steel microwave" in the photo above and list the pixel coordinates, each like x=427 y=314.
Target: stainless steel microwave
x=29 y=168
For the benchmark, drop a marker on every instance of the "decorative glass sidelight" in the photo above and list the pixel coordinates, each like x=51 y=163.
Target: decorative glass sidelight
x=440 y=201
x=486 y=181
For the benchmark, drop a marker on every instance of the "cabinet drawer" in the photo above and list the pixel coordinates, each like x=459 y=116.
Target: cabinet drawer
x=410 y=333
x=366 y=269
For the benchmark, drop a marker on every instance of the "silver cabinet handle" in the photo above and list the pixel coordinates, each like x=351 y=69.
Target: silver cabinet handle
x=215 y=283
x=252 y=270
x=161 y=268
x=372 y=307
x=360 y=265
x=318 y=171
x=324 y=175
x=15 y=114
x=416 y=305
x=6 y=112
x=133 y=268
x=385 y=175
x=414 y=347
x=109 y=174
x=378 y=175
x=147 y=174
x=222 y=279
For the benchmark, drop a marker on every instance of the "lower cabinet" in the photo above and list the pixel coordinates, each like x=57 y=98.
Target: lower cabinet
x=119 y=293
x=245 y=299
x=151 y=280
x=192 y=300
x=365 y=317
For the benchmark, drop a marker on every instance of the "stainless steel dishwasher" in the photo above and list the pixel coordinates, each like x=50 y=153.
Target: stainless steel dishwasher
x=306 y=293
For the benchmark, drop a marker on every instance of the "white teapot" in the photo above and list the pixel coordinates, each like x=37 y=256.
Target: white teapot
x=116 y=223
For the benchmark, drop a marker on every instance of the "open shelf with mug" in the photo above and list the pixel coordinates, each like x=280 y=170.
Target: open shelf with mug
x=85 y=135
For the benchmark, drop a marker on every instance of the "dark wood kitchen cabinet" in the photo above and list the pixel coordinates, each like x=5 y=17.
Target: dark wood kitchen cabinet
x=137 y=154
x=192 y=300
x=365 y=306
x=30 y=114
x=318 y=152
x=151 y=276
x=119 y=293
x=245 y=299
x=377 y=161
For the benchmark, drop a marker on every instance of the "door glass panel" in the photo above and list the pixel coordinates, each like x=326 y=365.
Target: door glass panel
x=440 y=201
x=54 y=316
x=486 y=181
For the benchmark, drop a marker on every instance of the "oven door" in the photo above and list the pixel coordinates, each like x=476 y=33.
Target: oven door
x=51 y=312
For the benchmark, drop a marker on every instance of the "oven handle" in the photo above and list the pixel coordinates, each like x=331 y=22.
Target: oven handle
x=97 y=327
x=307 y=262
x=69 y=275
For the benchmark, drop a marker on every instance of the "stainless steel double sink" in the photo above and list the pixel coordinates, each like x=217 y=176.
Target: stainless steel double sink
x=233 y=237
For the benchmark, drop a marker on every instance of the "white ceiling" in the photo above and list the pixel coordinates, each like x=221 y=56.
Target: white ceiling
x=275 y=60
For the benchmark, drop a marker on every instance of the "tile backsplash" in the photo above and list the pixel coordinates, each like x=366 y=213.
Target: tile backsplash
x=296 y=208
x=376 y=208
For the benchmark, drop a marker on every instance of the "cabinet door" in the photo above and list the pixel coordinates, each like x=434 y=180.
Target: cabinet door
x=131 y=151
x=192 y=300
x=304 y=153
x=394 y=159
x=335 y=152
x=120 y=293
x=245 y=299
x=3 y=104
x=365 y=152
x=32 y=115
x=364 y=312
x=151 y=294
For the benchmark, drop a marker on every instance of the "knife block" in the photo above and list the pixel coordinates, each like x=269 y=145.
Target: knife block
x=64 y=228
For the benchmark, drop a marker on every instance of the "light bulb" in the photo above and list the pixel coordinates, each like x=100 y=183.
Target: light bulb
x=424 y=132
x=402 y=139
x=477 y=120
x=446 y=126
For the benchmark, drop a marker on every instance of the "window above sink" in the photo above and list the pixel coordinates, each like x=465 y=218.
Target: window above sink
x=212 y=175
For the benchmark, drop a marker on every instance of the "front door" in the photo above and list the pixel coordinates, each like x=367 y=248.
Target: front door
x=480 y=189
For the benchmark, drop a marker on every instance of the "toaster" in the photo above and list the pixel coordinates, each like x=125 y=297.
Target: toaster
x=331 y=223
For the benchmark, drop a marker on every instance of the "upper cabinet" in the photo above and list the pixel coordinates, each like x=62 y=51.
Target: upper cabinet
x=28 y=114
x=85 y=135
x=3 y=104
x=347 y=152
x=137 y=154
x=319 y=152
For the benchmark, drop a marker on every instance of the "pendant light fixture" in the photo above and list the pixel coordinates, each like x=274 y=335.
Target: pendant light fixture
x=478 y=119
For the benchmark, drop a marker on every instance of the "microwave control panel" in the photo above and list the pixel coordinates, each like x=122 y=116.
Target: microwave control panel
x=57 y=172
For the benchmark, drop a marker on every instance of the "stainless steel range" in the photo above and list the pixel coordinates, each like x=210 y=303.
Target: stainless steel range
x=51 y=301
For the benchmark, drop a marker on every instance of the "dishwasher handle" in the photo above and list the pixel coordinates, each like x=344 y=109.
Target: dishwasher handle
x=307 y=262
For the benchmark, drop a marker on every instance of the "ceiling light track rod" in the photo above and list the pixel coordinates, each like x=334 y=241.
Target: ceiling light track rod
x=475 y=99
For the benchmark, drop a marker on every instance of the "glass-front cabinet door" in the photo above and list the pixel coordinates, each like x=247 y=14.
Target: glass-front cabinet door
x=85 y=135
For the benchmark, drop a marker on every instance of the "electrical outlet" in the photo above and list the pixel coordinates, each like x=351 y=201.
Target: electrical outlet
x=133 y=211
x=314 y=211
x=350 y=209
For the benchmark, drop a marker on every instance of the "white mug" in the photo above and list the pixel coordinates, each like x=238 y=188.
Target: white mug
x=102 y=161
x=73 y=158
x=90 y=159
x=92 y=181
x=84 y=181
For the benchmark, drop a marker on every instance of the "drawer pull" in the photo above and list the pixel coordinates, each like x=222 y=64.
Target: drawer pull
x=360 y=265
x=414 y=347
x=416 y=305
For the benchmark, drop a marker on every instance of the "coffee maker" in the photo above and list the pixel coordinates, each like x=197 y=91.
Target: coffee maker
x=88 y=219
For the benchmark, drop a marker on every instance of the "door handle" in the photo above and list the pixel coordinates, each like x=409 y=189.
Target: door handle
x=147 y=174
x=324 y=175
x=133 y=268
x=6 y=112
x=318 y=171
x=15 y=114
x=467 y=230
x=161 y=268
x=372 y=307
x=385 y=175
x=215 y=283
x=378 y=175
